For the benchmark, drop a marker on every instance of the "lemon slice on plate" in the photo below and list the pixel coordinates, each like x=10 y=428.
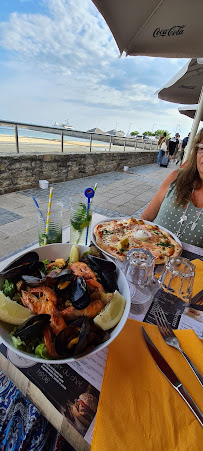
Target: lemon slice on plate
x=12 y=312
x=112 y=312
x=74 y=255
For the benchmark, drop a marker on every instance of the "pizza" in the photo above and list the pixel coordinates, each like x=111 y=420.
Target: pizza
x=117 y=237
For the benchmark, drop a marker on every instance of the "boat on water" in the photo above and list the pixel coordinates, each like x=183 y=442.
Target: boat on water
x=65 y=125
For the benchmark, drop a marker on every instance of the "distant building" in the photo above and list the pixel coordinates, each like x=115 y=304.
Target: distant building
x=95 y=130
x=114 y=132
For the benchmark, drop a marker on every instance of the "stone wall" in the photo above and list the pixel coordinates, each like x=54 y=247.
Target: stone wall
x=18 y=172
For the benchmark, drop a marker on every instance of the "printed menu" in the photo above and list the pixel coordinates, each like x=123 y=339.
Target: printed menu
x=179 y=314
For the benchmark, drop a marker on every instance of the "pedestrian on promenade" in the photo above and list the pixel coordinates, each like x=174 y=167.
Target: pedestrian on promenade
x=173 y=146
x=162 y=147
x=183 y=146
x=178 y=204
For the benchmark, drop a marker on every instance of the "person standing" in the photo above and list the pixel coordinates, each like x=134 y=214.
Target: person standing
x=173 y=146
x=177 y=136
x=162 y=147
x=183 y=146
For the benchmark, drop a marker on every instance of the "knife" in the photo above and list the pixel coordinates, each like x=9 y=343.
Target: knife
x=171 y=376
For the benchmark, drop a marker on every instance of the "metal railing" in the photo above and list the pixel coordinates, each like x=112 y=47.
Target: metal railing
x=109 y=139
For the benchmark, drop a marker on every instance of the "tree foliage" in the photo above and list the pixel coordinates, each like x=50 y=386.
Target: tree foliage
x=148 y=133
x=134 y=133
x=161 y=132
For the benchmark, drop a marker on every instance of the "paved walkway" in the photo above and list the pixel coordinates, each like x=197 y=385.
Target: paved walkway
x=118 y=194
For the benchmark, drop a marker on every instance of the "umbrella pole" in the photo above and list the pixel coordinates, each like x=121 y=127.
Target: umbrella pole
x=195 y=125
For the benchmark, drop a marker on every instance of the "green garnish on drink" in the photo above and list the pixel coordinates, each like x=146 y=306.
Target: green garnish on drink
x=53 y=236
x=81 y=219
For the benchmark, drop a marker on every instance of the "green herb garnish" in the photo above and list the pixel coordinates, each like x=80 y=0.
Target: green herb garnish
x=8 y=288
x=105 y=232
x=81 y=219
x=165 y=244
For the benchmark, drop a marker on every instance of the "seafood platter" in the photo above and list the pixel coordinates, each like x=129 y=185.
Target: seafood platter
x=62 y=302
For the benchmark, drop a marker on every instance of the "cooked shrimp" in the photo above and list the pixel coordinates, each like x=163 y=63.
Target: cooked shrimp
x=45 y=293
x=49 y=343
x=71 y=313
x=83 y=270
x=40 y=306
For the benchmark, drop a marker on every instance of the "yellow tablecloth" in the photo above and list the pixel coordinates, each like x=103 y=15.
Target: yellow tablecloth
x=198 y=282
x=138 y=408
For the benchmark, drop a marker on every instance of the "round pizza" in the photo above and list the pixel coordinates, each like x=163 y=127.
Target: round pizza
x=118 y=236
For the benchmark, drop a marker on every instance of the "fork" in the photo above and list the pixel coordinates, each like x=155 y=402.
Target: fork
x=170 y=338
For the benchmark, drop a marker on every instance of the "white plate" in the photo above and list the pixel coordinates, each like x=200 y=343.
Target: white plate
x=51 y=252
x=119 y=218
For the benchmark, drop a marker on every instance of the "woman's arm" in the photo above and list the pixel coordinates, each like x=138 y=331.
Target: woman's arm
x=152 y=209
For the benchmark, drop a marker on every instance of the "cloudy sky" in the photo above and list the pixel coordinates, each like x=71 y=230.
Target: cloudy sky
x=58 y=61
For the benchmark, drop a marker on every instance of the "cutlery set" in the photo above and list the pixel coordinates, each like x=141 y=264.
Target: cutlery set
x=171 y=339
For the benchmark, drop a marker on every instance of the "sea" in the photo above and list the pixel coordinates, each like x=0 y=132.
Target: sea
x=37 y=134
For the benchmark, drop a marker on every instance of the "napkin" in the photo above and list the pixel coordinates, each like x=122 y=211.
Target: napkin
x=198 y=281
x=138 y=408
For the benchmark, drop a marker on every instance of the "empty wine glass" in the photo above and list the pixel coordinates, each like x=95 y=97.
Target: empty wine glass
x=139 y=272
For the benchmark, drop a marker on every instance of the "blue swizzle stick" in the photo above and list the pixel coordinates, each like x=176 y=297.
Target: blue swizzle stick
x=44 y=220
x=38 y=209
x=89 y=193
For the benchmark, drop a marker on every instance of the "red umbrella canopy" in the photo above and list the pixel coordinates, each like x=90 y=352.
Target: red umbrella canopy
x=164 y=28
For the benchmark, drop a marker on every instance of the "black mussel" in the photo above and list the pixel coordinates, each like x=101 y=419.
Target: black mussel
x=83 y=337
x=73 y=339
x=100 y=264
x=79 y=295
x=109 y=281
x=20 y=266
x=63 y=281
x=34 y=281
x=95 y=337
x=32 y=327
x=106 y=271
x=35 y=267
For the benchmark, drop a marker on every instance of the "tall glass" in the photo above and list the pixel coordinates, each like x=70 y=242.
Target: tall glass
x=139 y=272
x=54 y=234
x=177 y=278
x=80 y=220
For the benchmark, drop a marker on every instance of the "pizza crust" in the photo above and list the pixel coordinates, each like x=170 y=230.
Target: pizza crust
x=133 y=233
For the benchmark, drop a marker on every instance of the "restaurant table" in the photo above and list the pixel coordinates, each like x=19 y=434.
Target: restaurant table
x=38 y=382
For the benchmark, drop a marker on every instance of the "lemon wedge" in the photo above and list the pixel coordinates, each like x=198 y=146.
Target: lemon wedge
x=123 y=243
x=111 y=313
x=12 y=312
x=74 y=255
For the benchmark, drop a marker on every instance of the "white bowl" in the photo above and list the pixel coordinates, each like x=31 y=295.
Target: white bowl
x=51 y=252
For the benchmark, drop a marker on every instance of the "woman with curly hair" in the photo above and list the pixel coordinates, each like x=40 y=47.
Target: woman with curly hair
x=178 y=204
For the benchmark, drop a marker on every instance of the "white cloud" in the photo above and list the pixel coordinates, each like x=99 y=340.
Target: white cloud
x=63 y=62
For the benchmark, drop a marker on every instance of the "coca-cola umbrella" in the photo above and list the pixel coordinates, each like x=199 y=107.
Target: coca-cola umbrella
x=186 y=87
x=189 y=111
x=164 y=28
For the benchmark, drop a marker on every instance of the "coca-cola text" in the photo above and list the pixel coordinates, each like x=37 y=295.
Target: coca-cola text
x=175 y=30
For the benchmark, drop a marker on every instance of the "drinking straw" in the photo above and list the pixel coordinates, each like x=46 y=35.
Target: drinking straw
x=89 y=193
x=38 y=209
x=48 y=215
